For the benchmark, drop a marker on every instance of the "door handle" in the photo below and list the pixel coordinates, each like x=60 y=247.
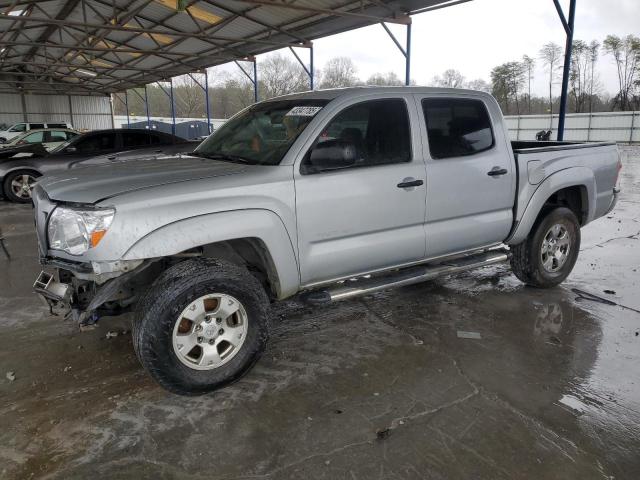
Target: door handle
x=496 y=171
x=408 y=183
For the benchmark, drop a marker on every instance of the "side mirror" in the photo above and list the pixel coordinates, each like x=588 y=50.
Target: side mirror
x=332 y=155
x=70 y=150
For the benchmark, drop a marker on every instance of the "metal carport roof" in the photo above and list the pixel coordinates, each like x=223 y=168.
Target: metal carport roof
x=105 y=46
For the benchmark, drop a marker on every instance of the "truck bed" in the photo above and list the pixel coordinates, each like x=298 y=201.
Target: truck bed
x=533 y=146
x=591 y=164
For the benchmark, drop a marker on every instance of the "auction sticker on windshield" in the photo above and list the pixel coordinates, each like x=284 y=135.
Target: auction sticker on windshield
x=303 y=111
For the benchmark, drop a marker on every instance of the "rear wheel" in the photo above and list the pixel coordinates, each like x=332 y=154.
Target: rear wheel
x=18 y=185
x=202 y=325
x=550 y=252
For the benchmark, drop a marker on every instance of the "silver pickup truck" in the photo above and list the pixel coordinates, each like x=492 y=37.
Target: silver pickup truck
x=328 y=194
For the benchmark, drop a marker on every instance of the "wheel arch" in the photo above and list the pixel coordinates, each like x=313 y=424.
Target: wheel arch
x=254 y=238
x=572 y=188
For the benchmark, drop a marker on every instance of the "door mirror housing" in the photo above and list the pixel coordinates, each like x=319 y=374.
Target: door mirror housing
x=331 y=155
x=70 y=150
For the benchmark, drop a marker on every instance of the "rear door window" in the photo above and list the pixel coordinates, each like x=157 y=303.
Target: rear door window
x=134 y=139
x=36 y=126
x=58 y=136
x=57 y=125
x=96 y=143
x=457 y=127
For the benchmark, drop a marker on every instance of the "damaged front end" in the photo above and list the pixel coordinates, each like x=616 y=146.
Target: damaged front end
x=78 y=292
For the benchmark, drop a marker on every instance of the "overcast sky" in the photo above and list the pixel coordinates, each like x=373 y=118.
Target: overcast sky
x=476 y=36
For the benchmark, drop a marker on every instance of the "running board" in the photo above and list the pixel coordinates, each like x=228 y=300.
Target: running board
x=407 y=276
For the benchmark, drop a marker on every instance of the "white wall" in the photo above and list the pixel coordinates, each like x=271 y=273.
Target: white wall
x=622 y=127
x=83 y=112
x=120 y=121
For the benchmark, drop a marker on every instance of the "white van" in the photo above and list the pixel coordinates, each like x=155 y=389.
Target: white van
x=18 y=128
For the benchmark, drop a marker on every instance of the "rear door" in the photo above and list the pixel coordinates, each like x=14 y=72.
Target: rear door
x=360 y=218
x=471 y=178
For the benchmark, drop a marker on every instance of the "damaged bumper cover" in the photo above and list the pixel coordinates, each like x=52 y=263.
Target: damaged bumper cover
x=65 y=296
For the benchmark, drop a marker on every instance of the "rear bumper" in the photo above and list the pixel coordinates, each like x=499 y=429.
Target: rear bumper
x=614 y=200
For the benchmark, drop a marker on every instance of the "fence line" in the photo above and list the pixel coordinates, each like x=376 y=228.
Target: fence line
x=621 y=127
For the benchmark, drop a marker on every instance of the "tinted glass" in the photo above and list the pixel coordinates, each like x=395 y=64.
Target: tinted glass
x=36 y=137
x=57 y=125
x=457 y=127
x=263 y=133
x=98 y=142
x=35 y=126
x=135 y=139
x=21 y=127
x=378 y=129
x=57 y=136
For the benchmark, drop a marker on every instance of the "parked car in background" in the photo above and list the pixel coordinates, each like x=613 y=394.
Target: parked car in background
x=50 y=138
x=332 y=193
x=18 y=173
x=16 y=129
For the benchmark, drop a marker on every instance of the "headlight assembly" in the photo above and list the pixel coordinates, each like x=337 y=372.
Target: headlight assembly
x=75 y=231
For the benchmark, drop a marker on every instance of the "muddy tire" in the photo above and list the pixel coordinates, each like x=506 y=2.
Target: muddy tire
x=550 y=251
x=202 y=325
x=17 y=185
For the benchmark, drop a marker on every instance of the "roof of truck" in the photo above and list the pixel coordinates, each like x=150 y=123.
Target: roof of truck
x=332 y=93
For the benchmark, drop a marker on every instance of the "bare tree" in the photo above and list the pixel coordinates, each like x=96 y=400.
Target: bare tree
x=594 y=50
x=507 y=80
x=529 y=64
x=384 y=79
x=478 y=84
x=339 y=72
x=450 y=78
x=626 y=54
x=550 y=54
x=189 y=97
x=279 y=75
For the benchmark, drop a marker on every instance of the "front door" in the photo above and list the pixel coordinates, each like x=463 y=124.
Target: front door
x=369 y=215
x=471 y=177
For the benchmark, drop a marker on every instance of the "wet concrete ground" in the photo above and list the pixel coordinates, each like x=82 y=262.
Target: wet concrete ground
x=386 y=386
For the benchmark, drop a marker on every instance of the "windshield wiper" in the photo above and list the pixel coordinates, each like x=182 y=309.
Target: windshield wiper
x=224 y=156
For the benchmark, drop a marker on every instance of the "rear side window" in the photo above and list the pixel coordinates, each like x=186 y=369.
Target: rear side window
x=57 y=125
x=97 y=142
x=36 y=126
x=58 y=136
x=135 y=139
x=457 y=127
x=378 y=129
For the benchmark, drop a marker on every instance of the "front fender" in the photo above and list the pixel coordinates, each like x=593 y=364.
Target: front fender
x=202 y=230
x=570 y=177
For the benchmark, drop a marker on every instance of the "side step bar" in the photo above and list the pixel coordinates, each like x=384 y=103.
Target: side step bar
x=408 y=276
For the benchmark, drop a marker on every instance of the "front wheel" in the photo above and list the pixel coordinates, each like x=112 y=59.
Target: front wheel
x=18 y=185
x=202 y=325
x=550 y=251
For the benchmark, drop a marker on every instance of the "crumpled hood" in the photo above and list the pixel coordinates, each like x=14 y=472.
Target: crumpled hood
x=97 y=182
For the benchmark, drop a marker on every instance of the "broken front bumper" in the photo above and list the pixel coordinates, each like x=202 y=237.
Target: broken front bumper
x=86 y=300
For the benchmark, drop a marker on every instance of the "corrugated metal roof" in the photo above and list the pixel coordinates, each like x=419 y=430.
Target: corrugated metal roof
x=104 y=46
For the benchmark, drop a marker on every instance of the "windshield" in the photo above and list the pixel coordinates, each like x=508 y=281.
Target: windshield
x=262 y=134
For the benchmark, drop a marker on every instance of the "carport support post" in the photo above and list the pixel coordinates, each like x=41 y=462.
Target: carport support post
x=308 y=71
x=206 y=99
x=407 y=71
x=568 y=28
x=146 y=107
x=406 y=51
x=173 y=107
x=126 y=107
x=255 y=80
